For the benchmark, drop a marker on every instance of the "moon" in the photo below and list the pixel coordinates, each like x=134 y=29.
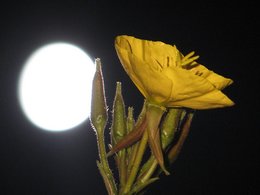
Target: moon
x=54 y=88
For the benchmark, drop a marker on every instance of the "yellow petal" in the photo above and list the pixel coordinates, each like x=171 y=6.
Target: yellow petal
x=217 y=80
x=193 y=91
x=142 y=69
x=144 y=49
x=157 y=86
x=122 y=49
x=214 y=99
x=186 y=85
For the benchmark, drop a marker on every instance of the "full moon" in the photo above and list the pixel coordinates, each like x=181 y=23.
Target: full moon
x=54 y=88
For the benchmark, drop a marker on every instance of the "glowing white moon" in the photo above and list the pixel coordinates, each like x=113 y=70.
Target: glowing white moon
x=54 y=88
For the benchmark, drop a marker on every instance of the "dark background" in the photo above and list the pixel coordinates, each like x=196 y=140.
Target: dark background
x=220 y=154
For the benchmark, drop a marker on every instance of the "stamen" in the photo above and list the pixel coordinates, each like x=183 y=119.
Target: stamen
x=178 y=59
x=193 y=63
x=188 y=55
x=189 y=60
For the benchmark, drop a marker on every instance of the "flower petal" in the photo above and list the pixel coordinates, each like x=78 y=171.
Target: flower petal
x=122 y=48
x=214 y=99
x=146 y=49
x=217 y=80
x=157 y=86
x=186 y=85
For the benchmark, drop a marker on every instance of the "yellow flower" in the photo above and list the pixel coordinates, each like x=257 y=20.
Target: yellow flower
x=168 y=78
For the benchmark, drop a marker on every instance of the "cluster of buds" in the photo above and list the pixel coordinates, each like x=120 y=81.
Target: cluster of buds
x=143 y=148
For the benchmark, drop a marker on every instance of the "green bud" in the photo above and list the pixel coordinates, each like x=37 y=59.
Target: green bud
x=169 y=125
x=130 y=122
x=118 y=129
x=98 y=114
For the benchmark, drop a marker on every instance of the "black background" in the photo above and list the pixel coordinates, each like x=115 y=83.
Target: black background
x=220 y=154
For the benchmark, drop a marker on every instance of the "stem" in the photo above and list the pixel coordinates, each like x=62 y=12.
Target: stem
x=136 y=164
x=122 y=167
x=132 y=157
x=109 y=179
x=150 y=171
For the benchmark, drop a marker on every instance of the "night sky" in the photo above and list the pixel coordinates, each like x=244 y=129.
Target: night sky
x=220 y=154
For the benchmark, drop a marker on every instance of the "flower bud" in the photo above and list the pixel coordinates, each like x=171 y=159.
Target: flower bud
x=130 y=122
x=169 y=125
x=98 y=114
x=118 y=129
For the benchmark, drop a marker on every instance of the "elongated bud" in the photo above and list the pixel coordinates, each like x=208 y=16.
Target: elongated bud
x=98 y=114
x=130 y=122
x=170 y=125
x=118 y=129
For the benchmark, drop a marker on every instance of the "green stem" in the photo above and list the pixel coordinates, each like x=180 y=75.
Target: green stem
x=109 y=179
x=134 y=150
x=136 y=164
x=150 y=171
x=122 y=167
